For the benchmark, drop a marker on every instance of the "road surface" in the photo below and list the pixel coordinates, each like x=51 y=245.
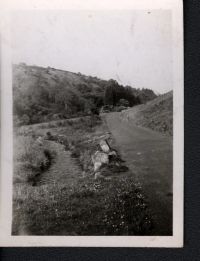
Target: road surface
x=148 y=155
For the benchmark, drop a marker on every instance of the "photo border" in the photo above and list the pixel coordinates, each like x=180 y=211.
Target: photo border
x=6 y=131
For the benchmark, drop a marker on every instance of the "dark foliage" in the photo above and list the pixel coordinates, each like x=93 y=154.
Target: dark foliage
x=115 y=92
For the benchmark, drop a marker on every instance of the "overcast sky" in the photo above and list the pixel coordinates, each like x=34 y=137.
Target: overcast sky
x=133 y=47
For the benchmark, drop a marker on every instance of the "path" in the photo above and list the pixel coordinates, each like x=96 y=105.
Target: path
x=148 y=155
x=63 y=170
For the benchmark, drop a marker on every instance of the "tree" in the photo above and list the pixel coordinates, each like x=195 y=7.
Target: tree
x=110 y=95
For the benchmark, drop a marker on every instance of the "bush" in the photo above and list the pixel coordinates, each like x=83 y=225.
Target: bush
x=30 y=158
x=25 y=119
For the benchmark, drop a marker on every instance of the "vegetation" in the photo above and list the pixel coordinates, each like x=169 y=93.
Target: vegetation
x=115 y=92
x=79 y=204
x=31 y=159
x=57 y=130
x=89 y=208
x=156 y=114
x=46 y=94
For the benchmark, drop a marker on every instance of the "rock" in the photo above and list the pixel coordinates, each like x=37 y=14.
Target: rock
x=104 y=146
x=98 y=176
x=117 y=164
x=97 y=166
x=112 y=153
x=98 y=159
x=39 y=141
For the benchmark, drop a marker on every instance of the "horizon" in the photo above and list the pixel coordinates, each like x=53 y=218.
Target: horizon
x=131 y=47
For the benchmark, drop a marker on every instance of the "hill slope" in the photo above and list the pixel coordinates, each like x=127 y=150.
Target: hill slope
x=156 y=114
x=44 y=94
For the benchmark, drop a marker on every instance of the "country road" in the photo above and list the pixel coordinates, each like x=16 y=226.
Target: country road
x=148 y=155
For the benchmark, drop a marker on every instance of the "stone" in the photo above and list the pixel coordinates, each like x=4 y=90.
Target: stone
x=98 y=159
x=112 y=153
x=97 y=166
x=39 y=141
x=98 y=176
x=104 y=146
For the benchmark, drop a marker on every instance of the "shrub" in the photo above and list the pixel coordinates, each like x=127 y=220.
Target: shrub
x=30 y=158
x=25 y=119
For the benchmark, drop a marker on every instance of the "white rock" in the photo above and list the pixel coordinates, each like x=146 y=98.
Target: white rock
x=112 y=153
x=104 y=146
x=97 y=166
x=98 y=159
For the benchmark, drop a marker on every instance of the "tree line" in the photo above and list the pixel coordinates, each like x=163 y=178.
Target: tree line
x=40 y=95
x=115 y=92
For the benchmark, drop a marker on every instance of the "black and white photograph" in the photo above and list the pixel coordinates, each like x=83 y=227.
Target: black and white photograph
x=92 y=103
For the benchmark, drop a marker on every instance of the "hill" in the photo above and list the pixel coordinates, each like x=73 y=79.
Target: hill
x=45 y=94
x=156 y=114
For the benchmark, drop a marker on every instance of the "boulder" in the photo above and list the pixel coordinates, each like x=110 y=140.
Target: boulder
x=104 y=146
x=97 y=166
x=98 y=159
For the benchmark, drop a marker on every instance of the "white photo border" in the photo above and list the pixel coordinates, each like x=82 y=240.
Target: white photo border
x=6 y=239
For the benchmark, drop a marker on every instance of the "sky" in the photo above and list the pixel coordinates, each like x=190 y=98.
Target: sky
x=133 y=47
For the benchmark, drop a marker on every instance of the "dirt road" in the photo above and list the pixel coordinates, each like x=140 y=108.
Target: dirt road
x=149 y=156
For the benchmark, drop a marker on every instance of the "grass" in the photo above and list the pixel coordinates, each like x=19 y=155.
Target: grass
x=83 y=205
x=30 y=159
x=90 y=208
x=156 y=114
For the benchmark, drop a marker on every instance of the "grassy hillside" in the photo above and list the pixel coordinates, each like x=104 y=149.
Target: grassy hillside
x=156 y=114
x=44 y=94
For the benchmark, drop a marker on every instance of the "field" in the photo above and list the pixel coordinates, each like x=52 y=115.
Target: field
x=55 y=191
